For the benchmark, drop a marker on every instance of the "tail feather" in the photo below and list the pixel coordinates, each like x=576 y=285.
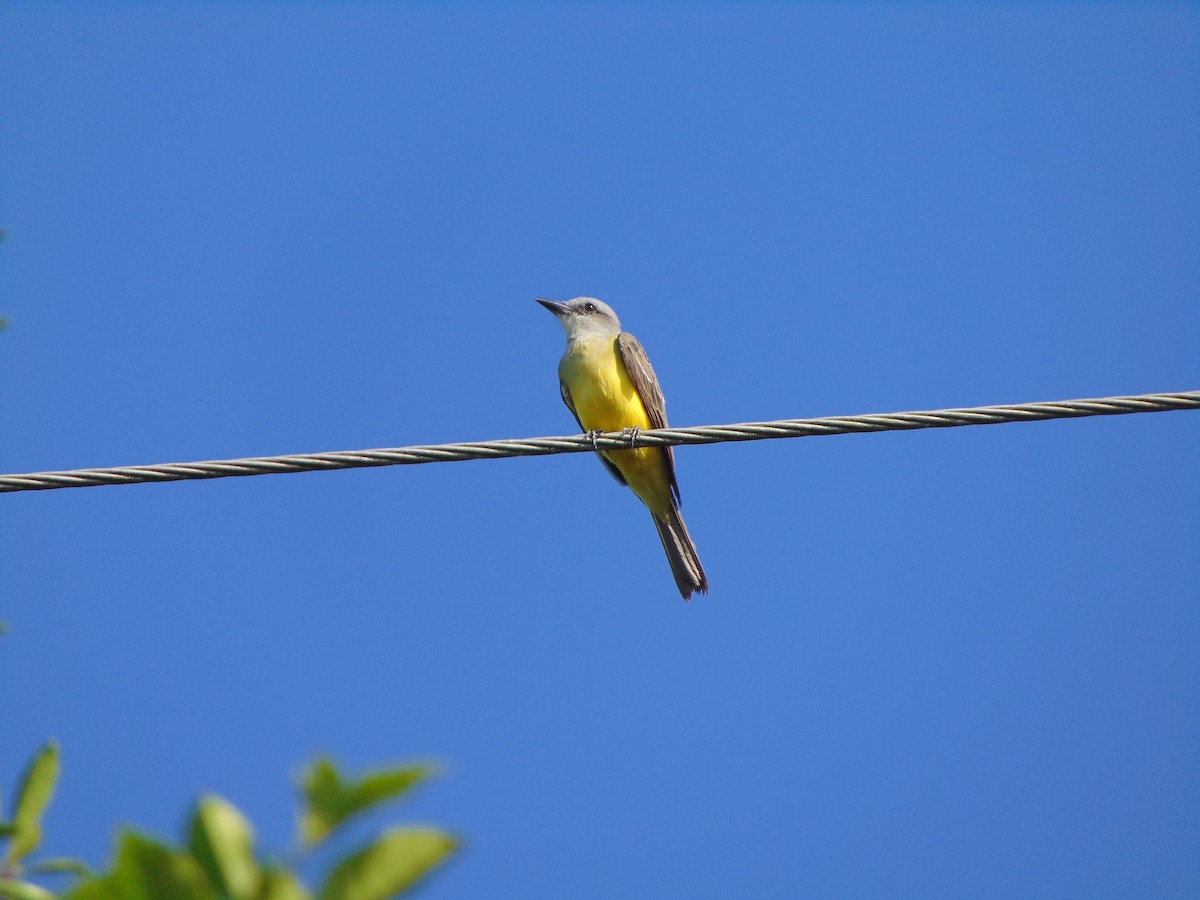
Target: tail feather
x=681 y=554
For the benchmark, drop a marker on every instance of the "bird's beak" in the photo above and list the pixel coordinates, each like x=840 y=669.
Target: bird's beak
x=559 y=309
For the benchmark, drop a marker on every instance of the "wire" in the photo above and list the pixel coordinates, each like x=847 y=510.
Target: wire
x=660 y=437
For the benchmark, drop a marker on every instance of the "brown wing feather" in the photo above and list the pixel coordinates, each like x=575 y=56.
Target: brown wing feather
x=566 y=395
x=637 y=364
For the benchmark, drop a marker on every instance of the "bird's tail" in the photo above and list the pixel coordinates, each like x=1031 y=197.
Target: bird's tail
x=681 y=553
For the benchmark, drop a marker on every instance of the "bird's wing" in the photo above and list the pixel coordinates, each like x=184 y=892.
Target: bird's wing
x=637 y=364
x=566 y=395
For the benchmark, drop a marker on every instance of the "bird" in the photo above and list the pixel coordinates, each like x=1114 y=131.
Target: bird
x=608 y=385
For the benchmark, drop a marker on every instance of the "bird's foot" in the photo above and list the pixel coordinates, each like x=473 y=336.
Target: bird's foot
x=592 y=436
x=632 y=434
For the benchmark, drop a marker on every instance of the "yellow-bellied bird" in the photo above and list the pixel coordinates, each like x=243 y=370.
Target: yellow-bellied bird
x=608 y=385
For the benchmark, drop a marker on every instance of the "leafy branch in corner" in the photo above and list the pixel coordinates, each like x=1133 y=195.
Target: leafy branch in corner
x=217 y=859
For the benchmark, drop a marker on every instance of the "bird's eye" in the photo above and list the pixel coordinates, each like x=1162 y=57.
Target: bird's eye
x=591 y=307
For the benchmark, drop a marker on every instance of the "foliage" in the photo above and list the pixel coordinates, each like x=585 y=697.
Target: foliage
x=217 y=860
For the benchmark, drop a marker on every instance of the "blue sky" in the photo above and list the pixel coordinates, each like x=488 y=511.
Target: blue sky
x=937 y=664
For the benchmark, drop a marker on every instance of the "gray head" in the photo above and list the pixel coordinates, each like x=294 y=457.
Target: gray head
x=583 y=316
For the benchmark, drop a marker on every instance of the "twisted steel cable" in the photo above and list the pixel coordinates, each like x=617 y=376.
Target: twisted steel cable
x=661 y=437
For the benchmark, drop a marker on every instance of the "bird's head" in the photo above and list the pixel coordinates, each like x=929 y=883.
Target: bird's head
x=583 y=316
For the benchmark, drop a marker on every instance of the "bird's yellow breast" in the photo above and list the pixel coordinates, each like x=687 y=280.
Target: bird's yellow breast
x=604 y=396
x=606 y=400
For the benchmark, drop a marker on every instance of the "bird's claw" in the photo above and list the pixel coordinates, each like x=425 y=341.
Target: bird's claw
x=592 y=436
x=632 y=434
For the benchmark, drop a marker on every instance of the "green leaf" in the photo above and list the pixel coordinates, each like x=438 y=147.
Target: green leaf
x=147 y=870
x=106 y=887
x=330 y=800
x=33 y=795
x=7 y=829
x=222 y=842
x=60 y=864
x=280 y=884
x=400 y=858
x=23 y=890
